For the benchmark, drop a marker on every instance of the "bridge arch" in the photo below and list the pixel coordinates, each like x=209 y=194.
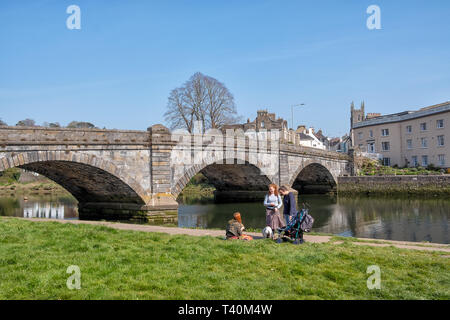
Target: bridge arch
x=227 y=175
x=313 y=176
x=89 y=178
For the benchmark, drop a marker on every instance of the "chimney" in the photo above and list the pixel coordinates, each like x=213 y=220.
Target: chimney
x=301 y=128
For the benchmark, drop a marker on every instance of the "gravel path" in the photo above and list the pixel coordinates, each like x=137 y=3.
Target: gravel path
x=221 y=233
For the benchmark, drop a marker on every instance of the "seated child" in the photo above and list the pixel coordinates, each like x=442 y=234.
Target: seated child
x=235 y=228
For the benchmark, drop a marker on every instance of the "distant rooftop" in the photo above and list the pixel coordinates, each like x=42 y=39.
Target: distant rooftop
x=305 y=136
x=405 y=115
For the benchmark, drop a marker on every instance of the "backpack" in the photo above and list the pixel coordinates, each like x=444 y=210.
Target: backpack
x=307 y=222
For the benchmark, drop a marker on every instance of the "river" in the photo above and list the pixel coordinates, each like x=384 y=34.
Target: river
x=380 y=218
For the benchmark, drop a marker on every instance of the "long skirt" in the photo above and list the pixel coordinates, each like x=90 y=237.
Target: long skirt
x=274 y=220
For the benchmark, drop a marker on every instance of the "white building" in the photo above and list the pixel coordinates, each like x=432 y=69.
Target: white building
x=309 y=139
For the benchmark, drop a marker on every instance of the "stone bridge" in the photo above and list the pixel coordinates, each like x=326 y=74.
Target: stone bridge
x=140 y=172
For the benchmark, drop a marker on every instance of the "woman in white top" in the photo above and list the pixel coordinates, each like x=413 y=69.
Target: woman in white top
x=273 y=203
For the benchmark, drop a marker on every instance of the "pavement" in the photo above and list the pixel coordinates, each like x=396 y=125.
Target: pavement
x=424 y=246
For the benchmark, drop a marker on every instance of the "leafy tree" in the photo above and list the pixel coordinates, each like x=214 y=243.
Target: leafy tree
x=26 y=123
x=2 y=123
x=80 y=125
x=51 y=125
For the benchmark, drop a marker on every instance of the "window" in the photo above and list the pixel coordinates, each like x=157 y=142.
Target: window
x=409 y=143
x=360 y=135
x=441 y=160
x=371 y=133
x=424 y=142
x=439 y=124
x=440 y=141
x=408 y=129
x=371 y=147
x=423 y=126
x=414 y=161
x=262 y=124
x=386 y=161
x=385 y=132
x=424 y=161
x=385 y=146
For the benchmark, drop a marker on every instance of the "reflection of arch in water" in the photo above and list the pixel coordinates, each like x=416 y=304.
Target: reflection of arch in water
x=49 y=211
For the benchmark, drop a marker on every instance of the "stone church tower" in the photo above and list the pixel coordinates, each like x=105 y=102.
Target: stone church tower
x=356 y=115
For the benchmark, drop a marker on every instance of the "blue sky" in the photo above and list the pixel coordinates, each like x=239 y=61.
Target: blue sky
x=118 y=70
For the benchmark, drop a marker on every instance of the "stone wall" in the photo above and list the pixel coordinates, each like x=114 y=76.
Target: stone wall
x=388 y=185
x=111 y=171
x=69 y=136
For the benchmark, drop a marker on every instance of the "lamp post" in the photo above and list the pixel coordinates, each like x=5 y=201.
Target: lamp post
x=292 y=113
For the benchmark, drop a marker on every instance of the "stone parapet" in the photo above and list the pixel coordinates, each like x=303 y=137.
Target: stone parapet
x=68 y=136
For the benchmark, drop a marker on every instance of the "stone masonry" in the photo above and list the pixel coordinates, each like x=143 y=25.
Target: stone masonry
x=133 y=172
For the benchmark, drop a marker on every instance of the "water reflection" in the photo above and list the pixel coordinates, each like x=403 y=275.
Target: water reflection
x=387 y=218
x=379 y=218
x=51 y=207
x=36 y=210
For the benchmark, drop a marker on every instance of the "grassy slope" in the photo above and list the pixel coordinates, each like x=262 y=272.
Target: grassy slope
x=117 y=264
x=9 y=183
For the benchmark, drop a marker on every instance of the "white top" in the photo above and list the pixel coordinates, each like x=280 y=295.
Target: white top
x=273 y=199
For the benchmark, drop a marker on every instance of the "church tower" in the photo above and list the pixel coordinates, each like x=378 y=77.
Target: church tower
x=356 y=115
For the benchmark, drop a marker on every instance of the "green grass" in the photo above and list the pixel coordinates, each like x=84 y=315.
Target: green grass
x=119 y=264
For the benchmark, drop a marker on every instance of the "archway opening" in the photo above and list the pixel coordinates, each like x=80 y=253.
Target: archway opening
x=86 y=183
x=315 y=179
x=230 y=182
x=100 y=194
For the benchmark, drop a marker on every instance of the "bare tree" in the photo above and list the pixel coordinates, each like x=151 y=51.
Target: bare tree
x=179 y=114
x=203 y=99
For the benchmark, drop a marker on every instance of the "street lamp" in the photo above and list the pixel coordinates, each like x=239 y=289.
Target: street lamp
x=292 y=113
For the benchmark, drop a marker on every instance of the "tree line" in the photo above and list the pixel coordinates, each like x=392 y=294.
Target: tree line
x=201 y=99
x=31 y=123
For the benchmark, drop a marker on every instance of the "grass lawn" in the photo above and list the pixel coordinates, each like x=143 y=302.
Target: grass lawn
x=119 y=264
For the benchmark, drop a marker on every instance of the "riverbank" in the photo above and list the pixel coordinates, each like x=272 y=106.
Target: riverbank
x=17 y=181
x=119 y=264
x=33 y=188
x=419 y=185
